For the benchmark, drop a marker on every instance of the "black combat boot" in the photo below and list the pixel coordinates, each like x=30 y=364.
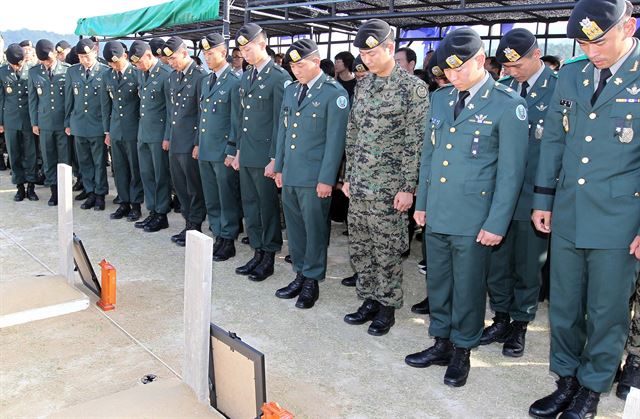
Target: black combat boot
x=53 y=201
x=160 y=222
x=216 y=245
x=514 y=344
x=31 y=192
x=630 y=377
x=422 y=307
x=141 y=224
x=498 y=331
x=20 y=195
x=367 y=312
x=121 y=212
x=82 y=195
x=99 y=203
x=309 y=294
x=458 y=369
x=350 y=281
x=176 y=237
x=583 y=406
x=439 y=354
x=264 y=269
x=190 y=226
x=556 y=402
x=135 y=213
x=383 y=321
x=248 y=267
x=293 y=289
x=90 y=202
x=226 y=251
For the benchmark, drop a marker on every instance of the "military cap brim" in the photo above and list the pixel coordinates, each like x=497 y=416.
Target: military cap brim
x=137 y=50
x=247 y=33
x=85 y=46
x=515 y=44
x=212 y=40
x=113 y=51
x=590 y=20
x=172 y=45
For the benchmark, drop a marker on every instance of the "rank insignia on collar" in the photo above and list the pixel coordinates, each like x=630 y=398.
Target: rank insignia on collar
x=315 y=103
x=534 y=95
x=633 y=90
x=585 y=82
x=541 y=107
x=222 y=92
x=635 y=67
x=451 y=103
x=617 y=81
x=262 y=86
x=545 y=83
x=471 y=106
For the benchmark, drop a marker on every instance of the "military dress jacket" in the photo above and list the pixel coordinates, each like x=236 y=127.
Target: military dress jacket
x=14 y=99
x=311 y=136
x=384 y=135
x=46 y=96
x=153 y=126
x=473 y=167
x=260 y=104
x=538 y=100
x=184 y=109
x=219 y=116
x=121 y=104
x=589 y=170
x=82 y=100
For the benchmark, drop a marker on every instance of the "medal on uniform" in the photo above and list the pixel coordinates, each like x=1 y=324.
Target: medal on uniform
x=111 y=95
x=626 y=135
x=433 y=136
x=75 y=91
x=565 y=123
x=9 y=89
x=538 y=132
x=39 y=90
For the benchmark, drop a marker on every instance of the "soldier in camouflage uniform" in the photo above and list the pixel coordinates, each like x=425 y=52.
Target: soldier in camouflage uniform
x=384 y=137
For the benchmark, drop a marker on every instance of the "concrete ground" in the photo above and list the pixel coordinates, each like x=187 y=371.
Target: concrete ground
x=317 y=365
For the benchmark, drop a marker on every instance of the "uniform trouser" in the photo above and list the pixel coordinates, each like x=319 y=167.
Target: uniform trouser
x=377 y=238
x=261 y=209
x=457 y=272
x=221 y=187
x=155 y=175
x=589 y=311
x=307 y=218
x=186 y=179
x=515 y=273
x=55 y=149
x=92 y=159
x=75 y=166
x=126 y=171
x=21 y=146
x=633 y=342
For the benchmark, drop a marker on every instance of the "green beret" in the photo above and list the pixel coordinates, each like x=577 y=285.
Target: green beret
x=514 y=45
x=591 y=19
x=301 y=49
x=372 y=33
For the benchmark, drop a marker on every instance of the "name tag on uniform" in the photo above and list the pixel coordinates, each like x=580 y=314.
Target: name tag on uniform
x=566 y=103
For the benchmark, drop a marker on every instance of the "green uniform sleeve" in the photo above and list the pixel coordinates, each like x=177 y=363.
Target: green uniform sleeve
x=280 y=139
x=513 y=143
x=350 y=138
x=33 y=102
x=550 y=161
x=278 y=92
x=1 y=101
x=68 y=99
x=425 y=166
x=167 y=104
x=235 y=119
x=336 y=132
x=414 y=133
x=105 y=105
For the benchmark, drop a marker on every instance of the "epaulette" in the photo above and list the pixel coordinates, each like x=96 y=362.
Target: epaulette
x=505 y=79
x=576 y=59
x=554 y=74
x=505 y=89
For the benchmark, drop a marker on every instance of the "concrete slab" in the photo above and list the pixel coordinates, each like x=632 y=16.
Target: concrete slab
x=35 y=298
x=169 y=398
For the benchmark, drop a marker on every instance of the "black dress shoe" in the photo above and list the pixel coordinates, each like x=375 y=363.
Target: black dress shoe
x=422 y=307
x=550 y=406
x=293 y=289
x=245 y=240
x=365 y=313
x=135 y=213
x=583 y=406
x=439 y=354
x=288 y=259
x=383 y=321
x=498 y=331
x=20 y=194
x=159 y=222
x=90 y=202
x=264 y=269
x=630 y=377
x=226 y=251
x=122 y=211
x=248 y=267
x=458 y=369
x=31 y=192
x=53 y=200
x=350 y=281
x=99 y=203
x=178 y=236
x=514 y=345
x=141 y=224
x=82 y=195
x=77 y=186
x=182 y=241
x=216 y=245
x=117 y=200
x=309 y=294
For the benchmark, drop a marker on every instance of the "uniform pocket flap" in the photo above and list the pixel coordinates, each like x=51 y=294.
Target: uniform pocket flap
x=625 y=186
x=479 y=186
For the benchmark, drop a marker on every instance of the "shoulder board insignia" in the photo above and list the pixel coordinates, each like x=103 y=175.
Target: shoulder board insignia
x=576 y=59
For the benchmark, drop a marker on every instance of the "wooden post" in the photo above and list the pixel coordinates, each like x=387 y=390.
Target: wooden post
x=65 y=222
x=197 y=313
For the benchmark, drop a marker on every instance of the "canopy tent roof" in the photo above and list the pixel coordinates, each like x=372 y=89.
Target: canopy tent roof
x=192 y=19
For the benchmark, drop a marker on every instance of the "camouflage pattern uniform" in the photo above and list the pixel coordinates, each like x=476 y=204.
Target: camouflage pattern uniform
x=384 y=139
x=633 y=342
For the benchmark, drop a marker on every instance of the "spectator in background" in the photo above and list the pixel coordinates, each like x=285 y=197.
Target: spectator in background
x=493 y=67
x=271 y=53
x=237 y=61
x=552 y=62
x=327 y=67
x=343 y=72
x=427 y=57
x=29 y=53
x=72 y=57
x=278 y=59
x=406 y=58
